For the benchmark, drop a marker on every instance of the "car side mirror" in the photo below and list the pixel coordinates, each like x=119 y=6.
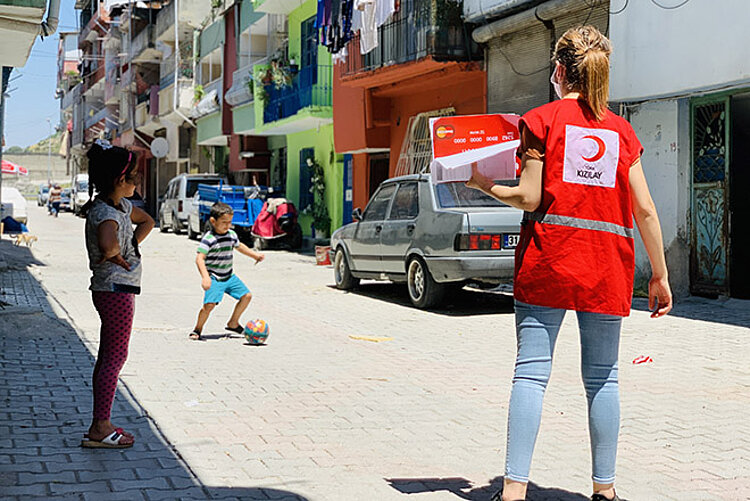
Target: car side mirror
x=357 y=214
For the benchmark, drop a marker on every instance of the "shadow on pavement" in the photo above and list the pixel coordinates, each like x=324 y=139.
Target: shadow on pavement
x=723 y=311
x=458 y=303
x=464 y=489
x=45 y=374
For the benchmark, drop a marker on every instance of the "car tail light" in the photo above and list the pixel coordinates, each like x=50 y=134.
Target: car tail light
x=479 y=241
x=179 y=206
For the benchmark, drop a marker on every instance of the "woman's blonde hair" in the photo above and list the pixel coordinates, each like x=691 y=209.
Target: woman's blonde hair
x=584 y=52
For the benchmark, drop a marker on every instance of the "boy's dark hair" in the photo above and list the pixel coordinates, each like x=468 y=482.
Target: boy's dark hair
x=107 y=163
x=220 y=209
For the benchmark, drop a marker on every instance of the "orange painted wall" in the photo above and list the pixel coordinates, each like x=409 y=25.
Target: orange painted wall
x=349 y=131
x=467 y=95
x=360 y=176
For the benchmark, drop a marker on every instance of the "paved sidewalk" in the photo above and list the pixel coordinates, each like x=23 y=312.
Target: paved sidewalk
x=45 y=372
x=321 y=416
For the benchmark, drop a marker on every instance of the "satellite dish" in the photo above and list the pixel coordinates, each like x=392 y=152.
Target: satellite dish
x=159 y=147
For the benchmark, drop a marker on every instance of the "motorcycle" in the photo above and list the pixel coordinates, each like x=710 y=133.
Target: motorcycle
x=277 y=226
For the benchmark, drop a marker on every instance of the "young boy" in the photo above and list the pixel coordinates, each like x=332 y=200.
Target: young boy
x=214 y=261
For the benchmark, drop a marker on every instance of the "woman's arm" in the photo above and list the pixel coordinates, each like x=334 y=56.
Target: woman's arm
x=647 y=220
x=108 y=244
x=526 y=196
x=143 y=223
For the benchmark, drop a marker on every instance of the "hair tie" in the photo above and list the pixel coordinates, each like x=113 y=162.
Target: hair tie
x=127 y=164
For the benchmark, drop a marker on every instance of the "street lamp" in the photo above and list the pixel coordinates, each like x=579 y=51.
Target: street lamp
x=49 y=152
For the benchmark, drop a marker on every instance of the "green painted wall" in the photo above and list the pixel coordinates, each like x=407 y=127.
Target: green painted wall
x=212 y=37
x=243 y=118
x=209 y=127
x=248 y=16
x=322 y=141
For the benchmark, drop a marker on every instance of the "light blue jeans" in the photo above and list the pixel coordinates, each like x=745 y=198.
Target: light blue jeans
x=536 y=332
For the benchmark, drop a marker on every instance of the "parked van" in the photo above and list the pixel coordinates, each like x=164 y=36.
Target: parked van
x=178 y=201
x=13 y=205
x=79 y=192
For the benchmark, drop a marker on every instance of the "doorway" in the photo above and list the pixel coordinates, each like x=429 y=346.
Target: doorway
x=739 y=202
x=379 y=167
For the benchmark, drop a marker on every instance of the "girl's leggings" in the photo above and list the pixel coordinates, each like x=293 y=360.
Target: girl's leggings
x=536 y=332
x=116 y=311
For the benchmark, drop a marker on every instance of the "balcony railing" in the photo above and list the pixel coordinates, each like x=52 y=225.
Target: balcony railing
x=71 y=97
x=97 y=117
x=311 y=86
x=420 y=28
x=165 y=20
x=166 y=70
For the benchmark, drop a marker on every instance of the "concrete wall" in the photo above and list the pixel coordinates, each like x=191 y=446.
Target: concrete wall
x=663 y=129
x=660 y=52
x=37 y=165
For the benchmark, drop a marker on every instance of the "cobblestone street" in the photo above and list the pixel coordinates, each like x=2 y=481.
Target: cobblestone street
x=317 y=414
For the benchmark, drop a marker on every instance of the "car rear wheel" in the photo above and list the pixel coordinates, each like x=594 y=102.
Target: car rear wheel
x=176 y=228
x=341 y=272
x=424 y=292
x=190 y=233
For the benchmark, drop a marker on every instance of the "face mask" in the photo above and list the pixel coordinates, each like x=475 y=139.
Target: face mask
x=555 y=84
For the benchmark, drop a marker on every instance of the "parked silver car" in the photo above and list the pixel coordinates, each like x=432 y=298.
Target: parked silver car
x=427 y=236
x=178 y=200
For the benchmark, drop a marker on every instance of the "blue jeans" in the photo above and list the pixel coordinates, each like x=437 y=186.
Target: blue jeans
x=536 y=332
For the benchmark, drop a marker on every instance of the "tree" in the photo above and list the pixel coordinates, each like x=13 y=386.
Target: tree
x=14 y=150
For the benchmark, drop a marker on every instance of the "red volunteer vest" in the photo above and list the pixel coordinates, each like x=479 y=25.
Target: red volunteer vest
x=576 y=250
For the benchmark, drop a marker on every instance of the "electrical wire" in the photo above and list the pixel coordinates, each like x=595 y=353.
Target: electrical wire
x=521 y=74
x=614 y=13
x=669 y=8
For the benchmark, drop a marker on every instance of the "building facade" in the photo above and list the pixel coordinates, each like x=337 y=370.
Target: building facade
x=689 y=102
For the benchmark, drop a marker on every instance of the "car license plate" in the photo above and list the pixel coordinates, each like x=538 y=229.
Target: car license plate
x=510 y=240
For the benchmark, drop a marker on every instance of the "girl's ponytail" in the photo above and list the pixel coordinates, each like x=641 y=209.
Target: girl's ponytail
x=595 y=75
x=584 y=52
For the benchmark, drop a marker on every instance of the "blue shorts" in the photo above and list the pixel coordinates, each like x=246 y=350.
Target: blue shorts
x=233 y=286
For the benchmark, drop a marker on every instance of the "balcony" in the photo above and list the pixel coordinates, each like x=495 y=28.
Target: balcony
x=97 y=117
x=142 y=48
x=311 y=87
x=240 y=92
x=276 y=6
x=420 y=29
x=185 y=95
x=93 y=78
x=71 y=97
x=211 y=101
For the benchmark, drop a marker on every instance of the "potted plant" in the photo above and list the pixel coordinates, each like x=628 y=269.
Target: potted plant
x=321 y=218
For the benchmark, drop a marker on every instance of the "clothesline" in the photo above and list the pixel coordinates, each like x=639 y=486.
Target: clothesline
x=337 y=21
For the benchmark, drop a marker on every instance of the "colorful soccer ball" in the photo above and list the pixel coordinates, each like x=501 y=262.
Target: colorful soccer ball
x=256 y=331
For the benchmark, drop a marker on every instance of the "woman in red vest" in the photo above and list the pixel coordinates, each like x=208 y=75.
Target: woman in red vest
x=581 y=186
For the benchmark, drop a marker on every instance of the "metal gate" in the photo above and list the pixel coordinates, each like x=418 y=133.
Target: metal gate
x=709 y=273
x=416 y=150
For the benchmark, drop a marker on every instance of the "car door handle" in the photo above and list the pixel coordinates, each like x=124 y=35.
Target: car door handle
x=378 y=228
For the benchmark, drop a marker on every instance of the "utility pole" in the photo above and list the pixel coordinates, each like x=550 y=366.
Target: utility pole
x=3 y=85
x=49 y=152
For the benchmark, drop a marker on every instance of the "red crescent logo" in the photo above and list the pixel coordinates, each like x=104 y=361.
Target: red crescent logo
x=600 y=151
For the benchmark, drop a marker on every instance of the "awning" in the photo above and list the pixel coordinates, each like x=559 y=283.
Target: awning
x=11 y=168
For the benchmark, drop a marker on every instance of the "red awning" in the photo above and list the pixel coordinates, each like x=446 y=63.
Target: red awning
x=11 y=168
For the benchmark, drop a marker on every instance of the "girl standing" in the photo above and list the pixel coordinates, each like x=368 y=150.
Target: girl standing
x=581 y=186
x=115 y=263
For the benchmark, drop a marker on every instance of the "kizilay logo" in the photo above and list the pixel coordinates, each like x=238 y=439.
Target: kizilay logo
x=591 y=156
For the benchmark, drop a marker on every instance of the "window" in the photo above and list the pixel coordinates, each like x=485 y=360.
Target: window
x=305 y=175
x=452 y=195
x=416 y=150
x=406 y=203
x=192 y=185
x=379 y=205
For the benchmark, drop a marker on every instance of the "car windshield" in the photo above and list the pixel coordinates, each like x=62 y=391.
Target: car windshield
x=457 y=195
x=45 y=189
x=82 y=185
x=66 y=192
x=192 y=185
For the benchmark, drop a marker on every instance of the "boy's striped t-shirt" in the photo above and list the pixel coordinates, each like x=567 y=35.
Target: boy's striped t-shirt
x=219 y=251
